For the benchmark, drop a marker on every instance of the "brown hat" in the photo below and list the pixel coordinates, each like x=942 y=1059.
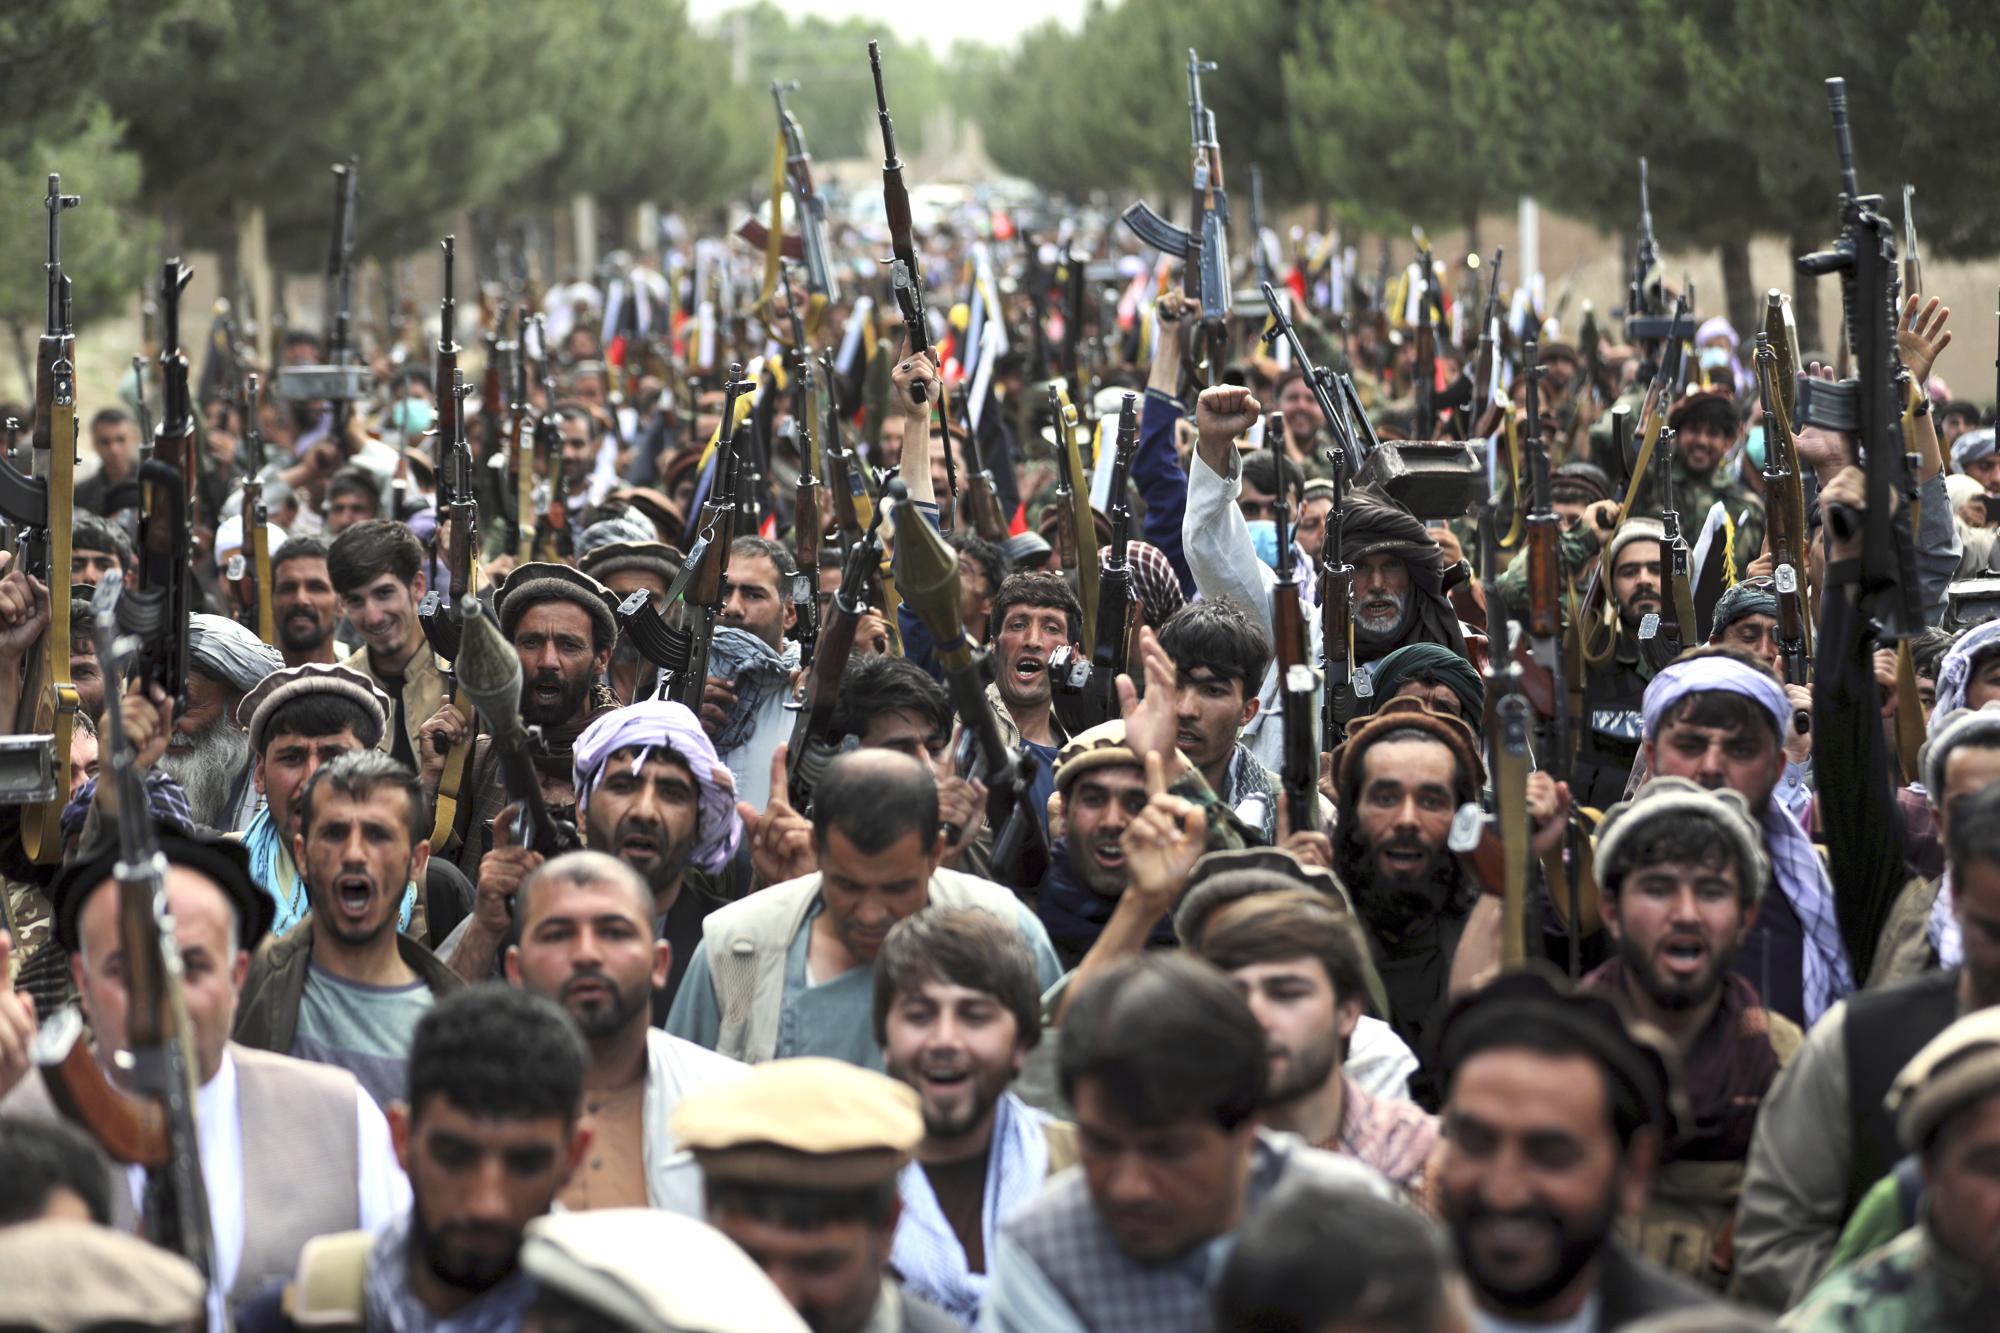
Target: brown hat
x=1718 y=401
x=1397 y=714
x=655 y=558
x=808 y=1124
x=259 y=706
x=1102 y=746
x=544 y=581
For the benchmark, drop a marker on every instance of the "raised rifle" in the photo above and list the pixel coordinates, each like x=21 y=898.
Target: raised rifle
x=1646 y=297
x=1913 y=267
x=853 y=506
x=1545 y=575
x=252 y=573
x=1296 y=677
x=982 y=497
x=1870 y=406
x=150 y=1121
x=158 y=609
x=521 y=422
x=1076 y=527
x=443 y=629
x=1425 y=370
x=1675 y=620
x=343 y=379
x=1086 y=693
x=814 y=744
x=1336 y=604
x=1203 y=247
x=1488 y=348
x=807 y=533
x=553 y=540
x=489 y=671
x=928 y=572
x=1257 y=248
x=1787 y=535
x=34 y=762
x=807 y=204
x=708 y=565
x=906 y=276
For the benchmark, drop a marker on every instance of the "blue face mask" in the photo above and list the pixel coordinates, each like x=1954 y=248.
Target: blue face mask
x=1264 y=538
x=1753 y=448
x=1714 y=357
x=411 y=417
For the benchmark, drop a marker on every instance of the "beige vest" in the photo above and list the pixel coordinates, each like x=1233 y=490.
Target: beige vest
x=301 y=1160
x=747 y=943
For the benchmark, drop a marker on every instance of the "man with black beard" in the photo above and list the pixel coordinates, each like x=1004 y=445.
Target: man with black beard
x=957 y=1010
x=1554 y=1117
x=303 y=603
x=587 y=942
x=560 y=623
x=345 y=987
x=652 y=792
x=1613 y=693
x=209 y=754
x=1681 y=870
x=1401 y=776
x=489 y=1136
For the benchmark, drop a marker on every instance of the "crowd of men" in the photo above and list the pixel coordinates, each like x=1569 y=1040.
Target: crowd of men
x=764 y=1053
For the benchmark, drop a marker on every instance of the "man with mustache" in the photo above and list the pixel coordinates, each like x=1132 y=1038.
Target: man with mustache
x=751 y=663
x=1554 y=1118
x=346 y=987
x=789 y=970
x=560 y=622
x=303 y=603
x=587 y=942
x=1681 y=871
x=1612 y=693
x=490 y=1134
x=1706 y=426
x=376 y=568
x=1034 y=614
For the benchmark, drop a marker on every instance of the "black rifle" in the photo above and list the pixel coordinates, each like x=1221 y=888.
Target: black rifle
x=1296 y=678
x=489 y=671
x=806 y=202
x=813 y=744
x=1870 y=405
x=253 y=584
x=1336 y=404
x=1204 y=245
x=1085 y=697
x=158 y=609
x=343 y=379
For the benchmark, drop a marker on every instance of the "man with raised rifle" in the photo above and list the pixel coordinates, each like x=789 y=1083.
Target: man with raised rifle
x=377 y=572
x=752 y=664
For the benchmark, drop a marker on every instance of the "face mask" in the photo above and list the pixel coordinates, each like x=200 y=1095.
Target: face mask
x=1753 y=448
x=411 y=417
x=1715 y=357
x=1264 y=538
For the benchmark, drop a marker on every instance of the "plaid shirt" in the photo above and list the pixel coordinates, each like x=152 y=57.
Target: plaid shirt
x=1395 y=1137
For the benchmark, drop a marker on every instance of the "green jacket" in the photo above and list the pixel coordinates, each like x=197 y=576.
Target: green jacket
x=267 y=1012
x=1910 y=1283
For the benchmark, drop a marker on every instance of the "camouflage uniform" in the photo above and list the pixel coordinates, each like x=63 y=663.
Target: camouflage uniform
x=1694 y=494
x=28 y=914
x=1913 y=1282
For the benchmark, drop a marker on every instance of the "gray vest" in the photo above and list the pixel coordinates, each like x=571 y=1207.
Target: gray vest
x=1112 y=1293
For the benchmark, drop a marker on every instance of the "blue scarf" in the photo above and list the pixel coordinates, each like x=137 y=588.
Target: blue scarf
x=1075 y=913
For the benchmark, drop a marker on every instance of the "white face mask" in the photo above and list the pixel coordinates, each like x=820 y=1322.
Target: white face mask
x=1715 y=357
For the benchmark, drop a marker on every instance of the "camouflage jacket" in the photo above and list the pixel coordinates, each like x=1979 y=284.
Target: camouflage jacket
x=1910 y=1283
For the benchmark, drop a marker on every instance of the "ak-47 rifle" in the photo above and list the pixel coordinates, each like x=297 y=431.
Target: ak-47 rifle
x=552 y=534
x=1787 y=535
x=1336 y=603
x=34 y=763
x=1296 y=676
x=906 y=276
x=1425 y=369
x=489 y=671
x=521 y=444
x=1646 y=295
x=853 y=505
x=145 y=412
x=1870 y=405
x=806 y=202
x=928 y=573
x=1913 y=266
x=165 y=596
x=705 y=571
x=813 y=744
x=343 y=379
x=1076 y=527
x=1204 y=246
x=1086 y=693
x=982 y=497
x=445 y=629
x=1506 y=727
x=493 y=383
x=1075 y=296
x=151 y=1122
x=1670 y=627
x=807 y=533
x=1488 y=348
x=251 y=572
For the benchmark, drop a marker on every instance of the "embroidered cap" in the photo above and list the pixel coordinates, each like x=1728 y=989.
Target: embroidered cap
x=808 y=1123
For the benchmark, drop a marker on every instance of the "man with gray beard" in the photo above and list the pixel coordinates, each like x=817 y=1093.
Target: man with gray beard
x=208 y=753
x=1399 y=579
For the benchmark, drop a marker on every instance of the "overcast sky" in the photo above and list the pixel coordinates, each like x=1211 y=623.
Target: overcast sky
x=995 y=24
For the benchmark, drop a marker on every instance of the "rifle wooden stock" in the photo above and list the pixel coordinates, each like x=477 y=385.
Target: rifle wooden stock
x=132 y=1132
x=1073 y=495
x=813 y=740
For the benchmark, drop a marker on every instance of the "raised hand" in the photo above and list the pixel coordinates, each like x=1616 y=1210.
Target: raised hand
x=780 y=838
x=1162 y=843
x=1921 y=335
x=1223 y=412
x=1150 y=724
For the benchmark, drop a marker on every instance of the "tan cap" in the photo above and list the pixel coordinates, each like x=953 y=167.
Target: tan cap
x=1959 y=1066
x=64 y=1275
x=808 y=1123
x=652 y=1271
x=1102 y=746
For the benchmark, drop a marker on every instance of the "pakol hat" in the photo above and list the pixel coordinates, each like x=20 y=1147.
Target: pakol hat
x=803 y=1124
